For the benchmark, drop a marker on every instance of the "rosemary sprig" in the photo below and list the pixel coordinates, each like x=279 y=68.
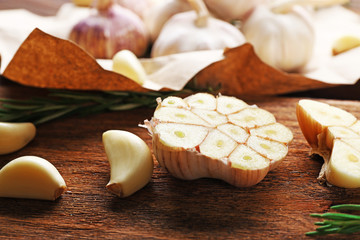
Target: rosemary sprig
x=335 y=222
x=61 y=103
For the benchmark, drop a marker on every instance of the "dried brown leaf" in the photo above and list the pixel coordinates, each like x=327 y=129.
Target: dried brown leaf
x=242 y=72
x=45 y=61
x=48 y=62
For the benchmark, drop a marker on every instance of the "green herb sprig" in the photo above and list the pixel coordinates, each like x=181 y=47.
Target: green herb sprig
x=61 y=103
x=335 y=222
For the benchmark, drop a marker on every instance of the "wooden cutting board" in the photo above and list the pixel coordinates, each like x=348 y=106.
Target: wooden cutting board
x=167 y=208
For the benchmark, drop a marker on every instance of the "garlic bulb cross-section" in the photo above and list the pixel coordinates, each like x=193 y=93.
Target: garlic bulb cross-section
x=218 y=137
x=334 y=134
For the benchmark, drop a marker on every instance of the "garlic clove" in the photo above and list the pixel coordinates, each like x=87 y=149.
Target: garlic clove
x=194 y=31
x=31 y=177
x=344 y=44
x=251 y=165
x=344 y=166
x=219 y=148
x=202 y=101
x=251 y=117
x=314 y=117
x=276 y=132
x=126 y=63
x=173 y=102
x=228 y=105
x=237 y=133
x=178 y=115
x=180 y=135
x=14 y=136
x=330 y=132
x=212 y=117
x=217 y=145
x=130 y=162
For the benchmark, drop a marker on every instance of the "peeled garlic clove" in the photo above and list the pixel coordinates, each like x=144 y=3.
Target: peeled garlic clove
x=126 y=63
x=195 y=138
x=14 y=136
x=283 y=41
x=130 y=162
x=194 y=31
x=111 y=29
x=344 y=44
x=161 y=12
x=31 y=177
x=331 y=132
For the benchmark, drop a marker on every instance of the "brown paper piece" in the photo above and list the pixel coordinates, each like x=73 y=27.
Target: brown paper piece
x=45 y=61
x=242 y=72
x=48 y=62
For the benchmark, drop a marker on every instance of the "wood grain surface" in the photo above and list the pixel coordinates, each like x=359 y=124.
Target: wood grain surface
x=167 y=208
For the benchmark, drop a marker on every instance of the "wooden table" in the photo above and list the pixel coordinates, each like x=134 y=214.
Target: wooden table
x=167 y=208
x=276 y=208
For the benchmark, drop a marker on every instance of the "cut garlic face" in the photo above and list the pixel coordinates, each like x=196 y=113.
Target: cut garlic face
x=31 y=177
x=334 y=134
x=218 y=137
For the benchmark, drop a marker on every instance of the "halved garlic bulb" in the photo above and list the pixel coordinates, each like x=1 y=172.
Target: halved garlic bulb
x=334 y=134
x=218 y=137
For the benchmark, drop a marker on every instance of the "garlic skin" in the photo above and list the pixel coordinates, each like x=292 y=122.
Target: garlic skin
x=111 y=29
x=217 y=137
x=232 y=9
x=156 y=17
x=194 y=31
x=140 y=7
x=283 y=41
x=14 y=136
x=333 y=134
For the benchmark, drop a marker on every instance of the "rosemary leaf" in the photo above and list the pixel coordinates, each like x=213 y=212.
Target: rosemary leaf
x=127 y=106
x=19 y=107
x=59 y=103
x=54 y=115
x=346 y=207
x=342 y=223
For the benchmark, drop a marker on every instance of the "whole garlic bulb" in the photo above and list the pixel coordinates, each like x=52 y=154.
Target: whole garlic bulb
x=139 y=7
x=194 y=31
x=232 y=9
x=158 y=14
x=111 y=29
x=284 y=41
